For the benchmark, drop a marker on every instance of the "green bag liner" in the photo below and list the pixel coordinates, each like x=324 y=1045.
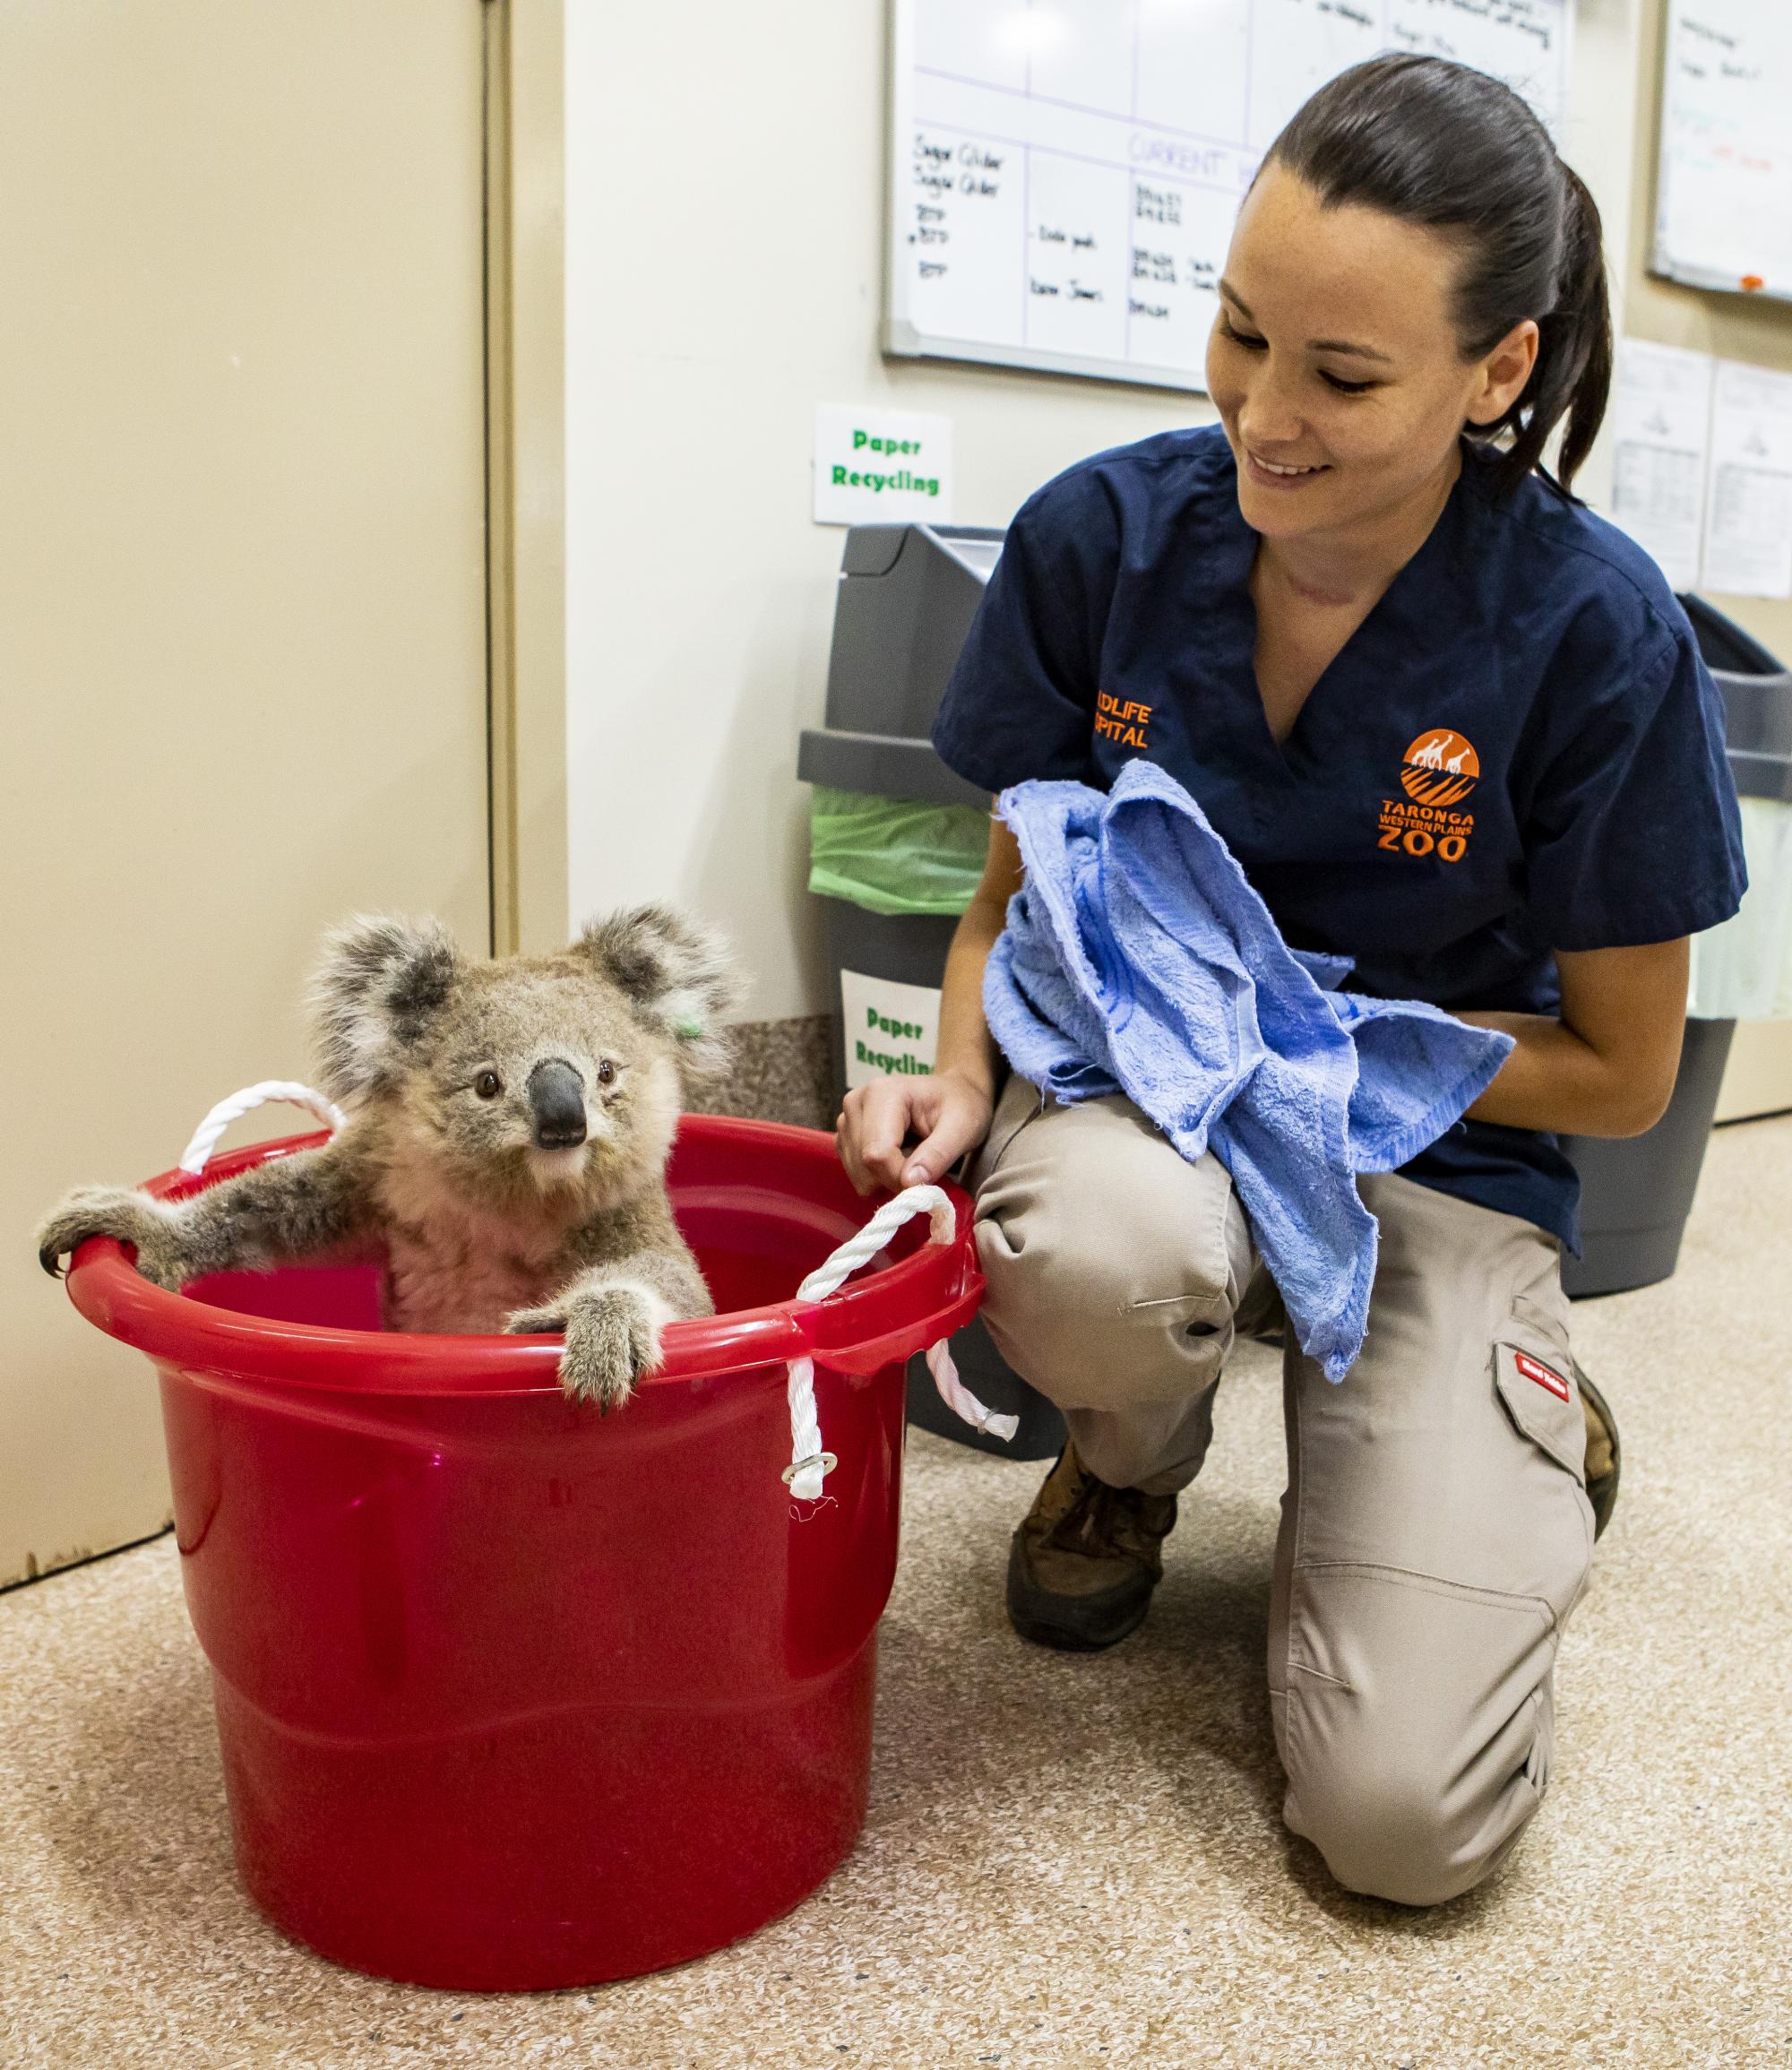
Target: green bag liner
x=895 y=855
x=1741 y=969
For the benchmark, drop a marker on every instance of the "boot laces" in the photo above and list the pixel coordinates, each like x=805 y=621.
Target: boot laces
x=1100 y=1517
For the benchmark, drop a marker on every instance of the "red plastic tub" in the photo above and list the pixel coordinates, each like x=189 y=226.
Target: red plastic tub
x=512 y=1695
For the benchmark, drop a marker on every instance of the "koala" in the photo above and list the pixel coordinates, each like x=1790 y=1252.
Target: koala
x=508 y=1128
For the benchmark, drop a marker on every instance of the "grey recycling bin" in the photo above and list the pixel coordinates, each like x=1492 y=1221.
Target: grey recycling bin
x=1757 y=693
x=1637 y=1191
x=907 y=595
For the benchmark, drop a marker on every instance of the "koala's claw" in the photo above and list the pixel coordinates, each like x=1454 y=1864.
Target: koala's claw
x=108 y=1210
x=611 y=1340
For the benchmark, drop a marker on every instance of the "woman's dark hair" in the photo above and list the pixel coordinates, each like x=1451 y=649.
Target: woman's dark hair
x=1455 y=151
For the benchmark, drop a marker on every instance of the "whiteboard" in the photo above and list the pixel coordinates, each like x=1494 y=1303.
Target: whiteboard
x=1723 y=176
x=1065 y=173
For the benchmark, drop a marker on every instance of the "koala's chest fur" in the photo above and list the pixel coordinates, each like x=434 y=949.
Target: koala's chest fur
x=463 y=1276
x=450 y=1267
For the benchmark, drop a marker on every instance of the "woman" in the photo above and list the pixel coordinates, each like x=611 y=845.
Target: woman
x=1454 y=726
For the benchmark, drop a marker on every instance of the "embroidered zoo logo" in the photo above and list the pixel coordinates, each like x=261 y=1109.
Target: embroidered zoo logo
x=1437 y=772
x=1439 y=769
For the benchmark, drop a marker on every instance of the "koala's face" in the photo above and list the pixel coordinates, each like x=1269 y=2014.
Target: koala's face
x=544 y=1073
x=551 y=1078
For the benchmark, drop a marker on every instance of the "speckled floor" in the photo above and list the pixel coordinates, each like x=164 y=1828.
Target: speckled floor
x=1069 y=1862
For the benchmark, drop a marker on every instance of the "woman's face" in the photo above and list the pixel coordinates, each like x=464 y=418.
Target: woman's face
x=1333 y=353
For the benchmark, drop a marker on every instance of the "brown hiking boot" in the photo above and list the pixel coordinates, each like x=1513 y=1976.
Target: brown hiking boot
x=1085 y=1560
x=1603 y=1455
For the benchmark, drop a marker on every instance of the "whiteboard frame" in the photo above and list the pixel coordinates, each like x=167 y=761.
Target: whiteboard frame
x=1662 y=264
x=901 y=339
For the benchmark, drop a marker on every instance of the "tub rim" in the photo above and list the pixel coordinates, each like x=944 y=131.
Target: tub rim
x=868 y=1324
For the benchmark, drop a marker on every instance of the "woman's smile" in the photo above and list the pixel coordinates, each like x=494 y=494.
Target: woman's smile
x=1279 y=474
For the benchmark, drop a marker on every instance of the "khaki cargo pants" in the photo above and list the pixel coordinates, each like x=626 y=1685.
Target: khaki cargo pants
x=1435 y=1530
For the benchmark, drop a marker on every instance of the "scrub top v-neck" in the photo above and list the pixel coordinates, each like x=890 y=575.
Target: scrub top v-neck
x=1518 y=750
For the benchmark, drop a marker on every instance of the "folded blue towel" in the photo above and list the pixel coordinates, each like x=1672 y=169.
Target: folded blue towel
x=1137 y=959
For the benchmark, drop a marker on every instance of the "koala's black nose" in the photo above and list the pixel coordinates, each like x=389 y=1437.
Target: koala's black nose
x=556 y=1099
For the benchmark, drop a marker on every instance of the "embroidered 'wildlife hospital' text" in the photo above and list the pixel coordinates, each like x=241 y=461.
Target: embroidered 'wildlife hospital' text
x=1124 y=723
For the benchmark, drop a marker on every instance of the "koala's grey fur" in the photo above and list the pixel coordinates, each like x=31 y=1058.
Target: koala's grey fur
x=485 y=1227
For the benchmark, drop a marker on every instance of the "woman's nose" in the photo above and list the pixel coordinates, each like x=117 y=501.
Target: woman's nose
x=1270 y=415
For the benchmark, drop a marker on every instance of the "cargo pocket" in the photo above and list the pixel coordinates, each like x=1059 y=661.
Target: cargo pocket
x=1537 y=1388
x=1549 y=1510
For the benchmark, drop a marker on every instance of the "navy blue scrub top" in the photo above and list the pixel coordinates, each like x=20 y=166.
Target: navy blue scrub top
x=1519 y=750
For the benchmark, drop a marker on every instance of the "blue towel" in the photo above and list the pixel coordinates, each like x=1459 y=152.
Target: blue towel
x=1137 y=959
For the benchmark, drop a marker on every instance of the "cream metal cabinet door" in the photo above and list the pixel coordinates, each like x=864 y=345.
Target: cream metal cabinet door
x=242 y=604
x=1758 y=1076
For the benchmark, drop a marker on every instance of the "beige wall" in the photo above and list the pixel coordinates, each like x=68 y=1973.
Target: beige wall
x=1610 y=138
x=1734 y=326
x=242 y=640
x=724 y=274
x=526 y=326
x=1758 y=1077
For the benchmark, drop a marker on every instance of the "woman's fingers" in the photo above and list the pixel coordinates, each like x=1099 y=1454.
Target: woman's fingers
x=876 y=1120
x=872 y=1125
x=959 y=1121
x=937 y=1153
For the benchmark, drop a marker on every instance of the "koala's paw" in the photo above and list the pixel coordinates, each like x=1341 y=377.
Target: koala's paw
x=612 y=1339
x=535 y=1322
x=113 y=1211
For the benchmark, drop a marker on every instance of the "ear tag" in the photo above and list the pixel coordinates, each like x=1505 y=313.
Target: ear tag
x=687 y=1026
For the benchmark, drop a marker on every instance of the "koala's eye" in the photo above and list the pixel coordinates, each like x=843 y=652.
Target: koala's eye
x=607 y=1071
x=489 y=1085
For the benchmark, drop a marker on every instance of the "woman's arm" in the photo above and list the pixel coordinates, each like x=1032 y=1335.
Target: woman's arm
x=966 y=1045
x=1608 y=1065
x=950 y=1109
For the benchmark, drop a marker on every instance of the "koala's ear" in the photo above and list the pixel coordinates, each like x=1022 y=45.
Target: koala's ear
x=676 y=974
x=381 y=981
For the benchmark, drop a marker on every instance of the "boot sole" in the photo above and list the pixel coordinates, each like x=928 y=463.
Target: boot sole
x=1069 y=1624
x=1602 y=1493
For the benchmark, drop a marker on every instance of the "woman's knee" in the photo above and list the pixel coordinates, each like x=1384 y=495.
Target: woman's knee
x=1393 y=1838
x=1095 y=1190
x=1399 y=1814
x=1093 y=1254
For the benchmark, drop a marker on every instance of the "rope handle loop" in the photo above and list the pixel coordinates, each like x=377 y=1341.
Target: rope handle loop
x=197 y=1154
x=809 y=1464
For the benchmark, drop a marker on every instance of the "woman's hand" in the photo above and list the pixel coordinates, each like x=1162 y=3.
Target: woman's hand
x=948 y=1110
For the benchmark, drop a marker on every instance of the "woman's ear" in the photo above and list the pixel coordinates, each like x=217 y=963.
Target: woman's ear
x=1502 y=374
x=676 y=974
x=382 y=978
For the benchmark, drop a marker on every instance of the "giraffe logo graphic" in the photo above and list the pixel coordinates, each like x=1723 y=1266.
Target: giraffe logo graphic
x=1440 y=768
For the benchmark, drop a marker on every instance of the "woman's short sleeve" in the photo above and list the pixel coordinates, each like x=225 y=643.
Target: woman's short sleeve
x=1021 y=701
x=1633 y=834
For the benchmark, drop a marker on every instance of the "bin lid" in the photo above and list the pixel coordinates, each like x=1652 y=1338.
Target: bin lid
x=874 y=549
x=906 y=599
x=1756 y=689
x=1726 y=646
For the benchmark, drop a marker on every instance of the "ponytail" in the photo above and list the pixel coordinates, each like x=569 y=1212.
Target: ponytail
x=1450 y=148
x=1573 y=377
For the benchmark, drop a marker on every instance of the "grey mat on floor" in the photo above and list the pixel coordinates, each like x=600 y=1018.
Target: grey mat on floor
x=1069 y=1861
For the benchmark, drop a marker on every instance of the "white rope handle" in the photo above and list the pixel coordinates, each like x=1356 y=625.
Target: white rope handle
x=809 y=1464
x=205 y=1137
